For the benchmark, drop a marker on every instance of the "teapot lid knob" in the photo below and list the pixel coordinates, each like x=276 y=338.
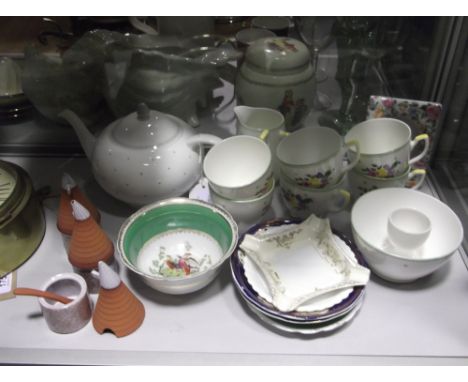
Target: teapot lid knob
x=143 y=112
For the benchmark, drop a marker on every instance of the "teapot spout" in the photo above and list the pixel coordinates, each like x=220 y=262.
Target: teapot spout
x=87 y=139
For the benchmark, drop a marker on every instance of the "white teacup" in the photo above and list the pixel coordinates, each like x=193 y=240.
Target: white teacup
x=301 y=202
x=315 y=157
x=385 y=147
x=360 y=184
x=239 y=167
x=408 y=228
x=247 y=211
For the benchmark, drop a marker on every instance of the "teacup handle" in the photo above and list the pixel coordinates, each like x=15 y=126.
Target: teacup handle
x=413 y=174
x=414 y=142
x=346 y=197
x=266 y=132
x=357 y=153
x=264 y=135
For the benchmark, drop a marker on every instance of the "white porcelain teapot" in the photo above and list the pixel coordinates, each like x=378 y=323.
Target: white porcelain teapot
x=145 y=156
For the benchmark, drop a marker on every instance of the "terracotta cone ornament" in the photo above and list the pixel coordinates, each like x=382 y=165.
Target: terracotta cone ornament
x=89 y=244
x=117 y=309
x=70 y=191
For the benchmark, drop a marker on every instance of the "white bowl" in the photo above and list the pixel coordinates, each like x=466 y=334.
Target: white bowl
x=177 y=245
x=369 y=224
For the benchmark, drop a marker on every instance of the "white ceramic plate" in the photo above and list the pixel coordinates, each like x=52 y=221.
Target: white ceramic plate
x=303 y=262
x=296 y=317
x=319 y=303
x=311 y=329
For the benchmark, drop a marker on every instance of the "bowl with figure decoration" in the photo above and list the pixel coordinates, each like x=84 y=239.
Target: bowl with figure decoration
x=177 y=245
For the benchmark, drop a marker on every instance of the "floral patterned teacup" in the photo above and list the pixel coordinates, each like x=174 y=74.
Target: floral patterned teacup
x=385 y=147
x=301 y=202
x=315 y=157
x=360 y=183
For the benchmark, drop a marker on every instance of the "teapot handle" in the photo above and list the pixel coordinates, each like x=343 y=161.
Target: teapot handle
x=203 y=139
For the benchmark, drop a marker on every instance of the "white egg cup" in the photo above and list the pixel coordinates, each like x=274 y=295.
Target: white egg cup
x=408 y=228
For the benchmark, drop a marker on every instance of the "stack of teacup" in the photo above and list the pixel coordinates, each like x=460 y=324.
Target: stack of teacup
x=239 y=171
x=313 y=165
x=385 y=156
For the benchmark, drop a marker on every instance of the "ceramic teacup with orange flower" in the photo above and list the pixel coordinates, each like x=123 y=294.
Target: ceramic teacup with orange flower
x=316 y=157
x=385 y=147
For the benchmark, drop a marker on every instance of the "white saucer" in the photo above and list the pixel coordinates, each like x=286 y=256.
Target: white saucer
x=311 y=329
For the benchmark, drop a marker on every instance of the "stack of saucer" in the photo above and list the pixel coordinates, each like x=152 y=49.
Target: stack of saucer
x=300 y=298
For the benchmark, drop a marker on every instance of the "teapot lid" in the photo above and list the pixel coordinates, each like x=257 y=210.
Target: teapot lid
x=147 y=128
x=278 y=53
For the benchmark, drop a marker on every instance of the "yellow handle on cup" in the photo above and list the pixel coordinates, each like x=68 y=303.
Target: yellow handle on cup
x=420 y=137
x=347 y=197
x=414 y=142
x=264 y=134
x=413 y=174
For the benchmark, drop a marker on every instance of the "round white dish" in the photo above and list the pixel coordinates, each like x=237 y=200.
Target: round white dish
x=297 y=317
x=302 y=262
x=311 y=329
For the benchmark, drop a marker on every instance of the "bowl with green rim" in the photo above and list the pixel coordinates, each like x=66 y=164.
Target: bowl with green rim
x=177 y=245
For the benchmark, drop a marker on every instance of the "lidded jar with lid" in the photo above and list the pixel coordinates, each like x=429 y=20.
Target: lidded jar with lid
x=277 y=73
